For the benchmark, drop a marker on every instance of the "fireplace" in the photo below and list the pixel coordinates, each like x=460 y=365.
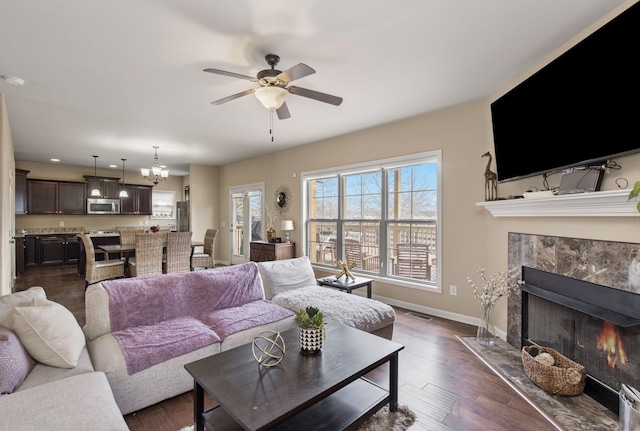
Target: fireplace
x=594 y=325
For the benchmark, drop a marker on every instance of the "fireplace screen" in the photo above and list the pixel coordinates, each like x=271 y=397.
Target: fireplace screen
x=611 y=354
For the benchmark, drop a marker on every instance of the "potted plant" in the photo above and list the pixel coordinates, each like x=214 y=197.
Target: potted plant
x=311 y=329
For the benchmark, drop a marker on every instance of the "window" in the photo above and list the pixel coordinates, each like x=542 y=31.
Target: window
x=380 y=217
x=163 y=204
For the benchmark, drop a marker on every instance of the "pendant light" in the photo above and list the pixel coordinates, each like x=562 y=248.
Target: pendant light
x=95 y=192
x=123 y=191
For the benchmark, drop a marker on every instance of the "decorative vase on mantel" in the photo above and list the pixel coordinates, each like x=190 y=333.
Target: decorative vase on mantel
x=486 y=335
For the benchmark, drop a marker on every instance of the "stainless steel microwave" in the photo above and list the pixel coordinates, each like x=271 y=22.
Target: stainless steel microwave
x=103 y=206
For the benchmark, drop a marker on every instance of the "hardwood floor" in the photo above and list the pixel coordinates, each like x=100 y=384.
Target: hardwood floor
x=447 y=387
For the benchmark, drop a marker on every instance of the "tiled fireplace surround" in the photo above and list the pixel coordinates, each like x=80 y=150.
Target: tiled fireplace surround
x=607 y=263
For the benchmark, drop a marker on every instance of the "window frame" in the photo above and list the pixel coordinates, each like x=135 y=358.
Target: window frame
x=382 y=166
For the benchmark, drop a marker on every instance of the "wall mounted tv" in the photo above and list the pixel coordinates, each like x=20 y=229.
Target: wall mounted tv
x=580 y=109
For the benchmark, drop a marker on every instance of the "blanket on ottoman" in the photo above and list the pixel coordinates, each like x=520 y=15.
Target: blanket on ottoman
x=352 y=310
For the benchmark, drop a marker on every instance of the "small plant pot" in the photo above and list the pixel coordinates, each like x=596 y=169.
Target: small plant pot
x=311 y=340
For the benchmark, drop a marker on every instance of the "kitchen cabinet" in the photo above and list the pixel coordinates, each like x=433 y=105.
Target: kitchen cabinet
x=56 y=197
x=21 y=191
x=139 y=201
x=109 y=187
x=261 y=251
x=20 y=255
x=58 y=249
x=51 y=249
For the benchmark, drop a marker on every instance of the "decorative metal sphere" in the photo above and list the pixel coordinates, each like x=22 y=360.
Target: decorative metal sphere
x=268 y=348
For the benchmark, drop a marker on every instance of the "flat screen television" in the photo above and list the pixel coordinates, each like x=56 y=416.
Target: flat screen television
x=579 y=110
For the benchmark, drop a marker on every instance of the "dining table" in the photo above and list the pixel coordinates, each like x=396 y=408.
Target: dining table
x=128 y=249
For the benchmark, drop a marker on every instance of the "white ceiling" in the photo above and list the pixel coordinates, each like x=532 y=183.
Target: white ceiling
x=116 y=77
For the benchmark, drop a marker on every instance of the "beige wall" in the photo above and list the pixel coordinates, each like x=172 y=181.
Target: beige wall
x=204 y=196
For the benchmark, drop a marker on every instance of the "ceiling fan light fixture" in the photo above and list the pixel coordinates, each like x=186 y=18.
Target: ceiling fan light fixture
x=271 y=97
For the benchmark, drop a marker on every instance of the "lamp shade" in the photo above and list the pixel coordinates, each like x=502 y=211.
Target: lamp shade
x=271 y=97
x=286 y=225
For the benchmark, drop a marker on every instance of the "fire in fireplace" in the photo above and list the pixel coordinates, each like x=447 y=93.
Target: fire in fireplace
x=594 y=325
x=610 y=343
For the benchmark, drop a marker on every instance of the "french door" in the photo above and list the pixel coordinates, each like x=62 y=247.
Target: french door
x=246 y=205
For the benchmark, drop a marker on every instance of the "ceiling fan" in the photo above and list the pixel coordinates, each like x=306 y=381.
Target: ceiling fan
x=274 y=86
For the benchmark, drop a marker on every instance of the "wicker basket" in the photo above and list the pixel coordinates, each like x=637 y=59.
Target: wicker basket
x=565 y=377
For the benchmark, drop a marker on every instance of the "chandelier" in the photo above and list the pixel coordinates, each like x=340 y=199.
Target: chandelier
x=157 y=173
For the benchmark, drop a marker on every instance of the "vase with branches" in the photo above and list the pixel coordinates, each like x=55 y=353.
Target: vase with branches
x=492 y=289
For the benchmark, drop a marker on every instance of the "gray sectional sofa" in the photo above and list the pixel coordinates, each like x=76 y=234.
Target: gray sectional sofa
x=50 y=397
x=140 y=332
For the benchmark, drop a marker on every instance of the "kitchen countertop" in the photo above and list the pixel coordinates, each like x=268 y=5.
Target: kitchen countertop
x=64 y=230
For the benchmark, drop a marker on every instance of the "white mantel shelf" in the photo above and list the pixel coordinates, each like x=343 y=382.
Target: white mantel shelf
x=613 y=203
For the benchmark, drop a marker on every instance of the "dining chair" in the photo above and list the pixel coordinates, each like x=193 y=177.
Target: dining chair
x=148 y=258
x=324 y=249
x=354 y=254
x=96 y=271
x=413 y=261
x=128 y=235
x=206 y=259
x=178 y=253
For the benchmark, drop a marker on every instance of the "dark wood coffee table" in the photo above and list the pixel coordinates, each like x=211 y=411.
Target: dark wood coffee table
x=326 y=391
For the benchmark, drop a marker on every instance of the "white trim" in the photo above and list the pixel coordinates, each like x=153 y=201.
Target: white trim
x=614 y=203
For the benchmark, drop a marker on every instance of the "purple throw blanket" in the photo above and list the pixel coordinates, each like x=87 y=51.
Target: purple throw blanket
x=158 y=318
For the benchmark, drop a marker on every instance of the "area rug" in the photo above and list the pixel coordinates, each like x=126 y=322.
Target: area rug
x=382 y=420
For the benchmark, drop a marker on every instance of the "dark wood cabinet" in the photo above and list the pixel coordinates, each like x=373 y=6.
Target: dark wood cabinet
x=21 y=192
x=109 y=187
x=57 y=249
x=139 y=201
x=46 y=250
x=261 y=251
x=56 y=197
x=20 y=255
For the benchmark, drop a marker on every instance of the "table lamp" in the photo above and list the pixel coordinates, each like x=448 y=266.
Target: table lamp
x=286 y=226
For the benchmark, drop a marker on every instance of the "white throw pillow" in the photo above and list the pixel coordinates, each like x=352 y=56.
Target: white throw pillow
x=283 y=275
x=49 y=332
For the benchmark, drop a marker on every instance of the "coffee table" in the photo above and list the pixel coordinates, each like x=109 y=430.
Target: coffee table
x=324 y=391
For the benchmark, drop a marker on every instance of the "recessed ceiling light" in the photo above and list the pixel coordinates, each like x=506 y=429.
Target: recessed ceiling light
x=55 y=160
x=113 y=166
x=14 y=80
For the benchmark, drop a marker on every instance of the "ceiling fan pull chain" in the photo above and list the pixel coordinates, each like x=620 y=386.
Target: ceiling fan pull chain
x=271 y=125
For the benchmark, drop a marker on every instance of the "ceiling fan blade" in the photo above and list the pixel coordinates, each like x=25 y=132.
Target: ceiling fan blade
x=231 y=74
x=233 y=97
x=283 y=112
x=316 y=95
x=298 y=71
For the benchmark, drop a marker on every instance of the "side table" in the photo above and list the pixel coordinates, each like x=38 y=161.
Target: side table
x=345 y=283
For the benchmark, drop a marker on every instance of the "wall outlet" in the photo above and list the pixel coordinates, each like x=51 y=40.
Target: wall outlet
x=453 y=290
x=223 y=224
x=146 y=222
x=61 y=224
x=140 y=222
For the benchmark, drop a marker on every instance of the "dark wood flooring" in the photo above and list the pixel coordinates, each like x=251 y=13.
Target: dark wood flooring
x=447 y=387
